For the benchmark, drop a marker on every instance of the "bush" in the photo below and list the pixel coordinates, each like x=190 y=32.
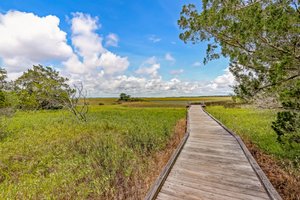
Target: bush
x=287 y=124
x=2 y=99
x=3 y=133
x=11 y=99
x=128 y=98
x=287 y=127
x=124 y=97
x=27 y=101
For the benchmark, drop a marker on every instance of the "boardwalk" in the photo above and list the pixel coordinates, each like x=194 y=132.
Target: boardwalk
x=212 y=165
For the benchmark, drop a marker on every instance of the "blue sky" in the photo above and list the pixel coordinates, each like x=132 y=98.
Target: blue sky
x=144 y=30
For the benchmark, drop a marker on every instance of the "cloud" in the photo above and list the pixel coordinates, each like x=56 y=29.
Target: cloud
x=89 y=52
x=84 y=23
x=150 y=83
x=176 y=72
x=27 y=39
x=154 y=38
x=112 y=40
x=87 y=44
x=32 y=39
x=169 y=57
x=223 y=81
x=149 y=67
x=74 y=65
x=197 y=64
x=152 y=70
x=113 y=64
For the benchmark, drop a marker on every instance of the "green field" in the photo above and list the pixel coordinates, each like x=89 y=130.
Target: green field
x=161 y=101
x=255 y=125
x=47 y=154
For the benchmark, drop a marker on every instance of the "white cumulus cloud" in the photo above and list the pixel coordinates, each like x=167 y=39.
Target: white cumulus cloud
x=27 y=39
x=113 y=64
x=89 y=52
x=149 y=67
x=223 y=82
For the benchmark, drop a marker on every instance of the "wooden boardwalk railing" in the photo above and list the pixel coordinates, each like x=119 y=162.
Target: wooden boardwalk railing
x=211 y=163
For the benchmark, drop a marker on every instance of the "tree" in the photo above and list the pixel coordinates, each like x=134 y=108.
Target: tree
x=42 y=88
x=8 y=98
x=2 y=99
x=261 y=39
x=124 y=97
x=3 y=76
x=3 y=102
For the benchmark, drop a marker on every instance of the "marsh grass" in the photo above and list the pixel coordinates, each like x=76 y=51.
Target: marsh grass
x=255 y=125
x=47 y=154
x=160 y=101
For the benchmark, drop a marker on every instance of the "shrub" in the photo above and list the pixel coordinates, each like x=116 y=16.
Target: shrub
x=286 y=126
x=2 y=99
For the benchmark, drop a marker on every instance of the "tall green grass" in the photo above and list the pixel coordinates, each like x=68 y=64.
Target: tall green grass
x=47 y=154
x=255 y=125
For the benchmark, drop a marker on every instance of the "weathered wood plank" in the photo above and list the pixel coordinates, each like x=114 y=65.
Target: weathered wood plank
x=164 y=196
x=220 y=189
x=219 y=148
x=185 y=192
x=238 y=182
x=217 y=156
x=215 y=141
x=224 y=174
x=211 y=145
x=214 y=151
x=215 y=164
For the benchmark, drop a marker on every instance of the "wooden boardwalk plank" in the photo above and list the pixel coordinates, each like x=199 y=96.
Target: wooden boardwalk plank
x=222 y=190
x=211 y=165
x=218 y=179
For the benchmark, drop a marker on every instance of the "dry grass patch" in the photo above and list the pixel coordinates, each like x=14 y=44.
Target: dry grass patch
x=283 y=177
x=161 y=158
